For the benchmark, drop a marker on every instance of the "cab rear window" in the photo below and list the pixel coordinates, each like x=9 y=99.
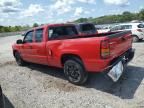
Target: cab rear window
x=62 y=32
x=87 y=27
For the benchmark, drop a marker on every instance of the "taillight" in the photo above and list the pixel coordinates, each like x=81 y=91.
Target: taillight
x=105 y=49
x=139 y=30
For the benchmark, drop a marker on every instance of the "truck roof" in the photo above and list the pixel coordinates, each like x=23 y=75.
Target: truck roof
x=53 y=25
x=61 y=24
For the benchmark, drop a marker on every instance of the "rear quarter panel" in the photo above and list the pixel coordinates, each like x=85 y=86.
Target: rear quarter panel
x=88 y=49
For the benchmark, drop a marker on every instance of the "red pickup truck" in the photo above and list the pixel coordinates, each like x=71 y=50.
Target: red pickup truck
x=60 y=45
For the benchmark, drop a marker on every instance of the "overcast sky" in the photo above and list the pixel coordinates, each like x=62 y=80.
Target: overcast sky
x=21 y=12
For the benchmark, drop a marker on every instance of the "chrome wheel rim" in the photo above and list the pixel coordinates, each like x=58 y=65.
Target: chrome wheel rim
x=73 y=72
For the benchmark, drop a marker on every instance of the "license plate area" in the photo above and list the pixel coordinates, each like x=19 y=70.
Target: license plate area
x=116 y=72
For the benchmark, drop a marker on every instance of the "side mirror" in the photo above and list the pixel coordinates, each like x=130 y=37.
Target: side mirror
x=19 y=41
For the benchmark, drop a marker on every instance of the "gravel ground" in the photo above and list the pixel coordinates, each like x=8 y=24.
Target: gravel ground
x=37 y=86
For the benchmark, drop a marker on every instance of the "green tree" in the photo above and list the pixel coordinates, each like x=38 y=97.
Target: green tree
x=17 y=28
x=141 y=14
x=120 y=18
x=81 y=20
x=1 y=29
x=127 y=16
x=35 y=25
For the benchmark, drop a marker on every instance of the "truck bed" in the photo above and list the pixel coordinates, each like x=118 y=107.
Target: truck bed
x=119 y=41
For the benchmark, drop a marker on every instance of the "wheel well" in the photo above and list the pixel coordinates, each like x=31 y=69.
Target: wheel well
x=134 y=35
x=14 y=51
x=66 y=57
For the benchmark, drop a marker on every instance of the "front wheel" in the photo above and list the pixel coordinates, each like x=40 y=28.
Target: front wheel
x=19 y=60
x=75 y=72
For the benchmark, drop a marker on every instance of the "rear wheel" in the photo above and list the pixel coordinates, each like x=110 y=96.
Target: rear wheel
x=135 y=38
x=75 y=72
x=19 y=60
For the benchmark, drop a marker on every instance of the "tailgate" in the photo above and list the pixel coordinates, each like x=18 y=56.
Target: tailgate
x=120 y=43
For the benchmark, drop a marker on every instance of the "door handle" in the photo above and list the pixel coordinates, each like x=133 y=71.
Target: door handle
x=50 y=52
x=30 y=47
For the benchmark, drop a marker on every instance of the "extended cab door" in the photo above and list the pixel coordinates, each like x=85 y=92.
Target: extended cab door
x=39 y=47
x=26 y=48
x=56 y=36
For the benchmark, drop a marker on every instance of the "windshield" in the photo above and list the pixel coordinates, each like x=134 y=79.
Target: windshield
x=141 y=26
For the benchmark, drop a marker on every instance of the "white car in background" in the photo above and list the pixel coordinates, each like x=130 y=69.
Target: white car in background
x=137 y=30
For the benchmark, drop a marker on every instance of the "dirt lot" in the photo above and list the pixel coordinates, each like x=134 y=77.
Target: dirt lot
x=37 y=86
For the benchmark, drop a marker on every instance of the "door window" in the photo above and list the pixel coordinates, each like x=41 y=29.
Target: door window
x=124 y=27
x=116 y=28
x=39 y=35
x=29 y=37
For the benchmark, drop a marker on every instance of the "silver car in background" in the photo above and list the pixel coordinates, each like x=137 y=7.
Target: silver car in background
x=137 y=30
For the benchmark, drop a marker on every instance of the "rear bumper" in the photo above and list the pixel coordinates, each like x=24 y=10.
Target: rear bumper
x=107 y=64
x=125 y=58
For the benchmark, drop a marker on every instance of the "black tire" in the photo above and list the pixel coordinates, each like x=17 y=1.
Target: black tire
x=19 y=60
x=75 y=72
x=1 y=99
x=135 y=38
